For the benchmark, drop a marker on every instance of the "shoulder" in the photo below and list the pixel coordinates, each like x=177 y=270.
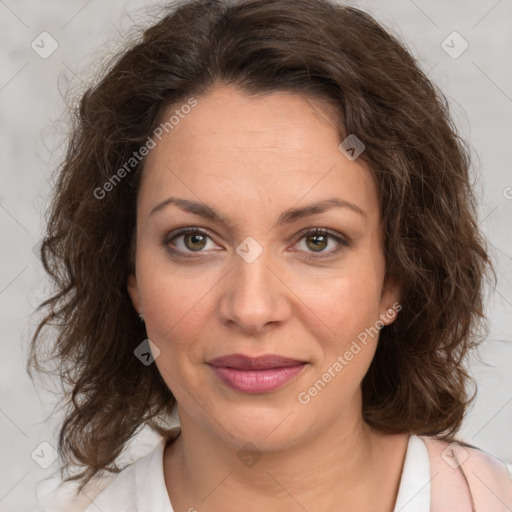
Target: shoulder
x=119 y=492
x=55 y=495
x=459 y=453
x=467 y=475
x=139 y=487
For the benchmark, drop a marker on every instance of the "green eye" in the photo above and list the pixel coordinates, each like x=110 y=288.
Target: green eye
x=317 y=240
x=187 y=240
x=317 y=243
x=194 y=241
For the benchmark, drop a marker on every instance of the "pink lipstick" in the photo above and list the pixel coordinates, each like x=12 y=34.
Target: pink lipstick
x=255 y=374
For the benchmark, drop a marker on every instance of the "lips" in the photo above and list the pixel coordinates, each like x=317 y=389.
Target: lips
x=265 y=362
x=255 y=374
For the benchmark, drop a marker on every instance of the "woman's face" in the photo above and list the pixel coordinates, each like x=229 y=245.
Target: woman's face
x=255 y=279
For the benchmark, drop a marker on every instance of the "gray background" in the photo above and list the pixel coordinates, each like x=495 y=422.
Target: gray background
x=477 y=83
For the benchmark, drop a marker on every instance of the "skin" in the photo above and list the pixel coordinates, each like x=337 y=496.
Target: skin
x=251 y=158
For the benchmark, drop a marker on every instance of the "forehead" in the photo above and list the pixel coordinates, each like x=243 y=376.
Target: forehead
x=236 y=149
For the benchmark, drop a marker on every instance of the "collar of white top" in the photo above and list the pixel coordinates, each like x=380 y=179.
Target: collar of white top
x=151 y=491
x=413 y=492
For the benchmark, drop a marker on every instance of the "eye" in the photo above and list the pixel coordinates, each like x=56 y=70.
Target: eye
x=188 y=240
x=319 y=239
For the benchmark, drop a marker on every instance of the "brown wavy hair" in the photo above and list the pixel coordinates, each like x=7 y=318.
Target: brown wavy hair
x=417 y=382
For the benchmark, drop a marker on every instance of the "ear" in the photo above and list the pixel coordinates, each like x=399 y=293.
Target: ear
x=133 y=291
x=390 y=298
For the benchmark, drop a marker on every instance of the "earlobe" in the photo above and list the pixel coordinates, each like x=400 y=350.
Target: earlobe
x=391 y=313
x=133 y=291
x=390 y=300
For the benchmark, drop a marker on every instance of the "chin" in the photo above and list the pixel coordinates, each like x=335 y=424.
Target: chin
x=269 y=429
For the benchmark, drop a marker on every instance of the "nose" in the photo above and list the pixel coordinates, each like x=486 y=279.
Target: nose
x=254 y=296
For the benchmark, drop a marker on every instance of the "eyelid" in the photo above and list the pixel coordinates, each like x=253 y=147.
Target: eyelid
x=190 y=229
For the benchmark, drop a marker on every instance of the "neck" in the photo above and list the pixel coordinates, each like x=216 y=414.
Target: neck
x=342 y=464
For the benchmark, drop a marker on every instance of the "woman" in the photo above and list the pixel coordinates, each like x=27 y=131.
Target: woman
x=265 y=224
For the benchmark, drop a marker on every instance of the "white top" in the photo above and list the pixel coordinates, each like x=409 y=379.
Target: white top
x=141 y=486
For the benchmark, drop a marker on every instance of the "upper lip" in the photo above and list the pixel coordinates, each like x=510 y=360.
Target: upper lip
x=243 y=362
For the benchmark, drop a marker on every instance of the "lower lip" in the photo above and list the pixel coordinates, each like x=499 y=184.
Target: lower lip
x=257 y=381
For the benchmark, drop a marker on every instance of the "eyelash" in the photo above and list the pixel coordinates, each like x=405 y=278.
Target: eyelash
x=342 y=241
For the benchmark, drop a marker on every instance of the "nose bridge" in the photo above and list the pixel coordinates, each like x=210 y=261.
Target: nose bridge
x=253 y=274
x=254 y=296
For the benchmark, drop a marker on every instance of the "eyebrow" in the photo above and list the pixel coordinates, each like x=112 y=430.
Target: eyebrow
x=287 y=217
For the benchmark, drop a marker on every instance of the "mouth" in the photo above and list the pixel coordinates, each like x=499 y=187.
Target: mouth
x=256 y=374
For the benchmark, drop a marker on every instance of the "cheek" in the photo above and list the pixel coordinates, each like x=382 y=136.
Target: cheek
x=175 y=314
x=175 y=322
x=350 y=310
x=177 y=308
x=346 y=302
x=358 y=304
x=170 y=293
